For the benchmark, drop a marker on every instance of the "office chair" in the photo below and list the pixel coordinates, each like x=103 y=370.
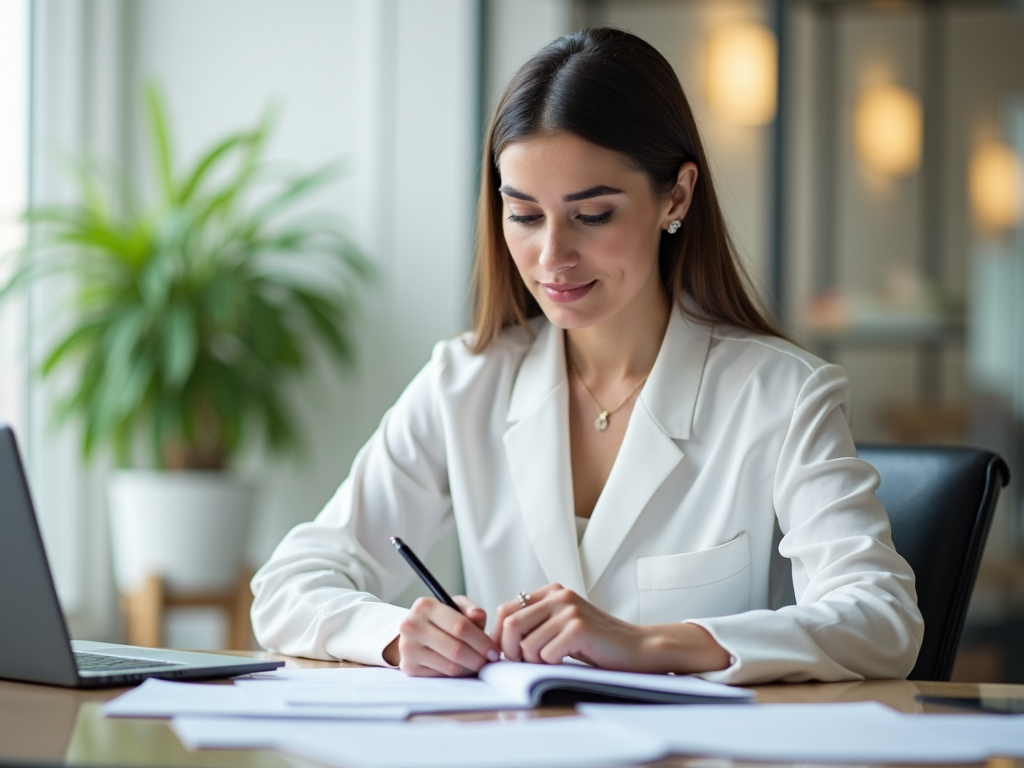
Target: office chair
x=940 y=501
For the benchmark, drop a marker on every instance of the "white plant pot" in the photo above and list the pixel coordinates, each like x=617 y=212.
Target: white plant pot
x=190 y=528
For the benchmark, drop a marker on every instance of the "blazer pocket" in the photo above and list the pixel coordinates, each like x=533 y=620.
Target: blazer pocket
x=695 y=585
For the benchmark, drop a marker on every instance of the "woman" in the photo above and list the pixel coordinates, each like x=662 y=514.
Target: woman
x=622 y=440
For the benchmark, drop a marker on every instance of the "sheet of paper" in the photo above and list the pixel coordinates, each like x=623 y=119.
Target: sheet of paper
x=556 y=742
x=518 y=679
x=999 y=735
x=848 y=733
x=319 y=675
x=161 y=698
x=378 y=686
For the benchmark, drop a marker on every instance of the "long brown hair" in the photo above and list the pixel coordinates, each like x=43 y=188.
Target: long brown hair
x=616 y=91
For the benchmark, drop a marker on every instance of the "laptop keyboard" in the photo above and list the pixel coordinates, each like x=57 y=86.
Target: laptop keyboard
x=98 y=662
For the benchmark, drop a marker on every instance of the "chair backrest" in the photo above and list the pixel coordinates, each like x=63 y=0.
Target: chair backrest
x=940 y=501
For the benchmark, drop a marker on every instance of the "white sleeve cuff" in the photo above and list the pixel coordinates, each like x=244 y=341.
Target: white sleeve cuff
x=369 y=629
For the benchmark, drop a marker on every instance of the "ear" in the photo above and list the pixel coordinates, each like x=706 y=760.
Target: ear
x=681 y=195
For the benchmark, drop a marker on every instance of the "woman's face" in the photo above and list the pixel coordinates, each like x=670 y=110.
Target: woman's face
x=583 y=228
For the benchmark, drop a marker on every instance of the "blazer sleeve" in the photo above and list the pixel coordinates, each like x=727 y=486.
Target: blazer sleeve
x=323 y=592
x=856 y=613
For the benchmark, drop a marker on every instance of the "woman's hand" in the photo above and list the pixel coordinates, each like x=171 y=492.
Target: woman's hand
x=557 y=623
x=435 y=641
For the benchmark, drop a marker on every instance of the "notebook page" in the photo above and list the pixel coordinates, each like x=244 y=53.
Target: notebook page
x=519 y=679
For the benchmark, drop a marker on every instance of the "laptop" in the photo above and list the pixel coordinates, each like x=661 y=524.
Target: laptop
x=34 y=643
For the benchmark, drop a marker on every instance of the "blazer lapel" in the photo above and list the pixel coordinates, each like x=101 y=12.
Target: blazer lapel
x=537 y=446
x=662 y=414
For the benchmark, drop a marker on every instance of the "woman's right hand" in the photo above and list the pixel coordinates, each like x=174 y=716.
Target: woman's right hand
x=435 y=641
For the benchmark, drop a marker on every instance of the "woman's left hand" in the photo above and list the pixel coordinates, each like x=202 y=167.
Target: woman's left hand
x=557 y=623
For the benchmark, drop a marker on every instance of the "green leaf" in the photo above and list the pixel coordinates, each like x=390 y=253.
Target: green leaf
x=84 y=336
x=210 y=161
x=180 y=345
x=161 y=142
x=296 y=190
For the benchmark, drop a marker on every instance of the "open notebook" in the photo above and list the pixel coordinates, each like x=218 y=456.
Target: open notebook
x=502 y=685
x=528 y=684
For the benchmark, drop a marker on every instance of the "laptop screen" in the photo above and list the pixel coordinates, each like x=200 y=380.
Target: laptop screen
x=34 y=643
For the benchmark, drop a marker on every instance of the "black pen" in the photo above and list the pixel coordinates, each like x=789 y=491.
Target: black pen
x=421 y=570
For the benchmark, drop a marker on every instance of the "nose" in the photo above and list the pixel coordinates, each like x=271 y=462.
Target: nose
x=558 y=252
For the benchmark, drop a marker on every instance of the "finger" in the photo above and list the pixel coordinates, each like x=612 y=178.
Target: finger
x=531 y=647
x=466 y=631
x=471 y=610
x=510 y=607
x=504 y=611
x=448 y=642
x=431 y=624
x=567 y=642
x=519 y=625
x=426 y=662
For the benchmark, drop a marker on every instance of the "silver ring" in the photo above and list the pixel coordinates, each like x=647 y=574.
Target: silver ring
x=524 y=598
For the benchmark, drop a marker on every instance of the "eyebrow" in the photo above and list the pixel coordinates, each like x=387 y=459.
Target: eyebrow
x=599 y=191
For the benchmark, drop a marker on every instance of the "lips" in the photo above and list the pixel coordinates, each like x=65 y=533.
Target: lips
x=564 y=293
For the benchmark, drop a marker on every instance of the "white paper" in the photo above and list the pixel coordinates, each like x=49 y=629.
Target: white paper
x=162 y=698
x=864 y=732
x=556 y=742
x=378 y=686
x=998 y=735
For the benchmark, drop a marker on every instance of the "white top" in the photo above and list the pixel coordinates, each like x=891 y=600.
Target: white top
x=581 y=527
x=733 y=437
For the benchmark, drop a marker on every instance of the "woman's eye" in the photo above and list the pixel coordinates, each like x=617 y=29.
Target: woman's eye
x=530 y=219
x=593 y=221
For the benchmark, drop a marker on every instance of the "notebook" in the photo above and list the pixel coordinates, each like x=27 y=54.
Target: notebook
x=502 y=685
x=532 y=684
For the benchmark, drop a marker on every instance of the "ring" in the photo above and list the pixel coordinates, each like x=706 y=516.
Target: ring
x=524 y=598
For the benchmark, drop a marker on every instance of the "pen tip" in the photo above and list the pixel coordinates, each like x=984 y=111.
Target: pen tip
x=394 y=540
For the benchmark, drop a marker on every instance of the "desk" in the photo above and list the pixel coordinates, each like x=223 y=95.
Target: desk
x=54 y=725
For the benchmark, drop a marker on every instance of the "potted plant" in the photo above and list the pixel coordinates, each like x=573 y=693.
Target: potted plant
x=189 y=316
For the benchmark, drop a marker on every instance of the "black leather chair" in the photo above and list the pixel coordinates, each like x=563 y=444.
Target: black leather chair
x=940 y=501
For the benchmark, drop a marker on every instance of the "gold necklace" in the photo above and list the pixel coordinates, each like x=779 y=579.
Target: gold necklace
x=601 y=423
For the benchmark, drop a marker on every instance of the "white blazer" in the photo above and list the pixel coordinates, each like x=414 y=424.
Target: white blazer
x=737 y=451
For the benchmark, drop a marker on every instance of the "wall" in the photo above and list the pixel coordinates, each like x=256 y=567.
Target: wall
x=515 y=30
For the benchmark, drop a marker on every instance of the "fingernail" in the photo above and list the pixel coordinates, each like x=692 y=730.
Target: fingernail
x=492 y=655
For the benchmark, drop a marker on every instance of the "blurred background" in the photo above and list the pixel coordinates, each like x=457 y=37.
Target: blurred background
x=868 y=155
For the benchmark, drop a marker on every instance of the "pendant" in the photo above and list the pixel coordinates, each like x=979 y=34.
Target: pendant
x=602 y=421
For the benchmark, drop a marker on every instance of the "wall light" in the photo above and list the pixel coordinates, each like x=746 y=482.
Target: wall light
x=887 y=130
x=742 y=73
x=996 y=185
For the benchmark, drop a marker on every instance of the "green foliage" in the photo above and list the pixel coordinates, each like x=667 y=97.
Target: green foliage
x=189 y=314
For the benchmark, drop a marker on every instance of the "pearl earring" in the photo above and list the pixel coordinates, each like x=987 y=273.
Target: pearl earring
x=674 y=226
